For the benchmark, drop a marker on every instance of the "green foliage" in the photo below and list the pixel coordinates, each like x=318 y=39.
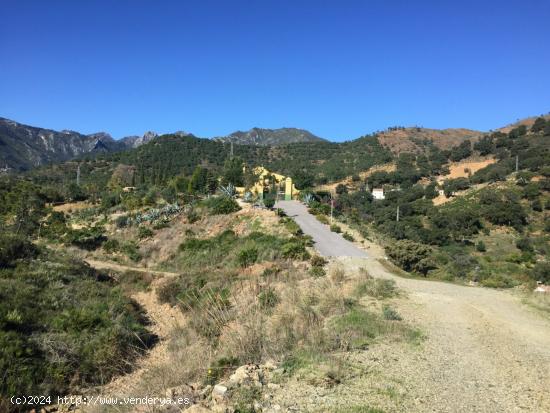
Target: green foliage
x=480 y=246
x=335 y=228
x=538 y=125
x=221 y=205
x=232 y=172
x=318 y=261
x=541 y=272
x=111 y=245
x=348 y=236
x=144 y=232
x=268 y=298
x=411 y=256
x=295 y=249
x=88 y=238
x=84 y=334
x=13 y=248
x=247 y=257
x=130 y=248
x=269 y=201
x=390 y=314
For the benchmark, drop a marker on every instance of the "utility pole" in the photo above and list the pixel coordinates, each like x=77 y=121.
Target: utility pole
x=517 y=163
x=397 y=217
x=78 y=175
x=231 y=156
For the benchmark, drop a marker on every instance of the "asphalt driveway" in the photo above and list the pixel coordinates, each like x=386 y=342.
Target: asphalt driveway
x=328 y=243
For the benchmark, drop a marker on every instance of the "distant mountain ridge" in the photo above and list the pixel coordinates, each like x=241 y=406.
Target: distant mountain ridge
x=270 y=137
x=23 y=147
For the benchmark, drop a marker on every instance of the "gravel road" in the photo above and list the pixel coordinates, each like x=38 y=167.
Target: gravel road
x=485 y=351
x=328 y=243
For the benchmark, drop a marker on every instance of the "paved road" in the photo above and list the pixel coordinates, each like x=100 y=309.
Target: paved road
x=328 y=243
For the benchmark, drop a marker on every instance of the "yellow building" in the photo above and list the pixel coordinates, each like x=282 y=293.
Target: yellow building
x=266 y=181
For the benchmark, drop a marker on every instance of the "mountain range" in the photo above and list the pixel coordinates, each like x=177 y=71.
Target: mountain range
x=23 y=147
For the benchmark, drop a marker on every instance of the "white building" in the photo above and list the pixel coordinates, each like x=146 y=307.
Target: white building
x=378 y=193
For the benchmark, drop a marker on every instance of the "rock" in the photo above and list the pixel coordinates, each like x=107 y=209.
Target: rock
x=273 y=386
x=181 y=391
x=219 y=393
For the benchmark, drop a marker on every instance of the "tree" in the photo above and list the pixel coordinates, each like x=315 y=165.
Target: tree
x=341 y=189
x=411 y=256
x=539 y=125
x=517 y=132
x=233 y=172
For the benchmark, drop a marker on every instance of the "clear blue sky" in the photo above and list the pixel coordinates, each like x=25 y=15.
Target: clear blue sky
x=337 y=68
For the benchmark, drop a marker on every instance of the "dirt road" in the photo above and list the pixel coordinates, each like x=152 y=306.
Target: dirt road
x=328 y=243
x=484 y=350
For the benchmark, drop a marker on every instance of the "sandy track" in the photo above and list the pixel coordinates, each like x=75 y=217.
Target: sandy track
x=484 y=350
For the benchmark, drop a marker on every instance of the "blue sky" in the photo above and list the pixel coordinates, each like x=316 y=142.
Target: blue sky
x=339 y=69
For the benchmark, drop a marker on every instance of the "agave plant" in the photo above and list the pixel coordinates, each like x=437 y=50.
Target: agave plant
x=228 y=190
x=308 y=199
x=247 y=197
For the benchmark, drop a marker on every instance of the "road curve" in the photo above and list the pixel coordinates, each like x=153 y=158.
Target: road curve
x=328 y=243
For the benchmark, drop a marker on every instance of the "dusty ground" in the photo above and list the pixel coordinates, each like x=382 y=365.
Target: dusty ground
x=164 y=320
x=484 y=351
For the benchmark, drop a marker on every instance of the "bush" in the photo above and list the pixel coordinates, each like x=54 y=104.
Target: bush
x=247 y=257
x=411 y=256
x=144 y=232
x=318 y=261
x=524 y=244
x=480 y=246
x=268 y=298
x=122 y=221
x=111 y=245
x=85 y=333
x=89 y=238
x=294 y=249
x=348 y=237
x=541 y=272
x=131 y=250
x=269 y=202
x=13 y=247
x=222 y=205
x=317 y=272
x=335 y=228
x=390 y=314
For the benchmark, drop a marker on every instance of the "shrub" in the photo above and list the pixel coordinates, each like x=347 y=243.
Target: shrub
x=13 y=247
x=294 y=249
x=318 y=261
x=390 y=314
x=335 y=228
x=541 y=272
x=317 y=272
x=144 y=232
x=131 y=250
x=524 y=244
x=269 y=202
x=348 y=236
x=89 y=238
x=222 y=205
x=111 y=245
x=411 y=256
x=480 y=246
x=247 y=257
x=122 y=221
x=323 y=219
x=268 y=298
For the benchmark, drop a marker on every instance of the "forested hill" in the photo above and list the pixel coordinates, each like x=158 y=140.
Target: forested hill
x=270 y=137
